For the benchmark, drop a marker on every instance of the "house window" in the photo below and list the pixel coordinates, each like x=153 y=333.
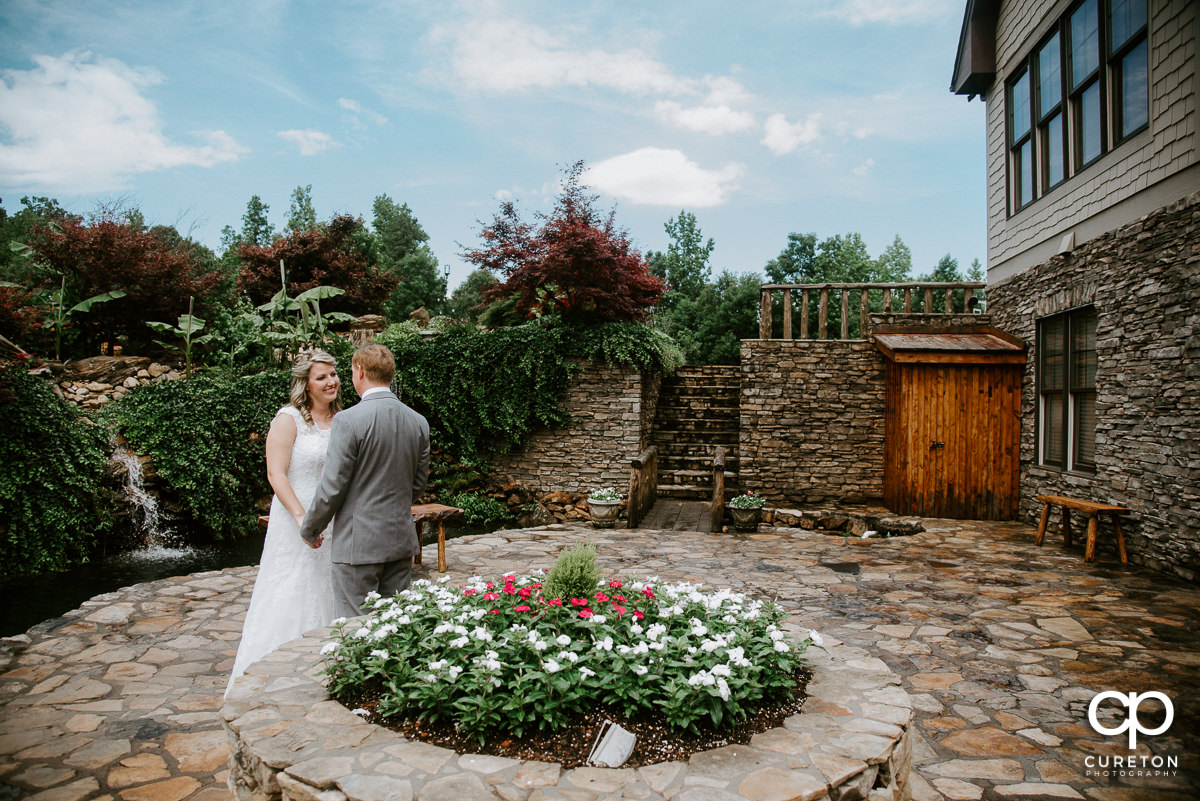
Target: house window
x=1081 y=91
x=1067 y=389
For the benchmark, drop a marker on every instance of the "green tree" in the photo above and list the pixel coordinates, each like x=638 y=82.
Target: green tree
x=946 y=270
x=256 y=228
x=466 y=301
x=19 y=266
x=795 y=264
x=685 y=266
x=402 y=250
x=709 y=328
x=894 y=265
x=302 y=216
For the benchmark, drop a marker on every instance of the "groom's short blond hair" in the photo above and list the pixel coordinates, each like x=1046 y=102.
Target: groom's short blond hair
x=377 y=363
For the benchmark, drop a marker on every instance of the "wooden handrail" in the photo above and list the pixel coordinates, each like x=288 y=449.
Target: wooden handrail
x=643 y=484
x=923 y=291
x=717 y=512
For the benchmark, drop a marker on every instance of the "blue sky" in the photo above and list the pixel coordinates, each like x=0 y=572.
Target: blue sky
x=761 y=118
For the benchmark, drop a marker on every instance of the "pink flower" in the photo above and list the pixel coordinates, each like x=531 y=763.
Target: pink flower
x=638 y=614
x=509 y=579
x=494 y=612
x=525 y=592
x=554 y=601
x=620 y=598
x=586 y=613
x=620 y=610
x=649 y=593
x=615 y=584
x=579 y=602
x=490 y=596
x=509 y=589
x=469 y=591
x=601 y=597
x=521 y=608
x=490 y=584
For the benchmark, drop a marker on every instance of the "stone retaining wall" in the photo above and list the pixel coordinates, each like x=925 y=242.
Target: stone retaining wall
x=91 y=383
x=812 y=420
x=291 y=742
x=1144 y=281
x=611 y=410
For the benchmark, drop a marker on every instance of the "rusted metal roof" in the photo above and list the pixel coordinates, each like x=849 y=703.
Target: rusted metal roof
x=975 y=346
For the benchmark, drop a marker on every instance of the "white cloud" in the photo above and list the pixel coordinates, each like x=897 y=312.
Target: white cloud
x=510 y=56
x=657 y=177
x=715 y=114
x=309 y=142
x=81 y=124
x=357 y=113
x=891 y=12
x=865 y=168
x=782 y=137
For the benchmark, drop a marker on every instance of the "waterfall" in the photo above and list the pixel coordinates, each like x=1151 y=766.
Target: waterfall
x=146 y=517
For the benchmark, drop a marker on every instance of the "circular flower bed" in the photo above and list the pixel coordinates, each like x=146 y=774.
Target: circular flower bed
x=496 y=658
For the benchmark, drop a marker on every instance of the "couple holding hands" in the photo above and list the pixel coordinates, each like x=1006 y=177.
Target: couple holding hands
x=360 y=468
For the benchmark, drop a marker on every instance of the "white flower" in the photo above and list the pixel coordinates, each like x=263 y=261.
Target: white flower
x=328 y=648
x=815 y=637
x=701 y=678
x=641 y=648
x=636 y=628
x=623 y=649
x=438 y=665
x=533 y=636
x=597 y=619
x=481 y=634
x=541 y=645
x=737 y=656
x=373 y=596
x=723 y=688
x=605 y=645
x=782 y=647
x=563 y=640
x=337 y=621
x=551 y=666
x=443 y=579
x=569 y=656
x=454 y=671
x=639 y=669
x=777 y=635
x=378 y=654
x=655 y=630
x=442 y=628
x=429 y=677
x=362 y=633
x=459 y=642
x=362 y=713
x=586 y=671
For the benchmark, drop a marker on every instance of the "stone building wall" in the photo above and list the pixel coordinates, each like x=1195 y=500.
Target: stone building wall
x=1144 y=281
x=611 y=412
x=812 y=420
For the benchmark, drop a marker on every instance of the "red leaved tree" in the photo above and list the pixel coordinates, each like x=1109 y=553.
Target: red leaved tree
x=337 y=254
x=115 y=251
x=577 y=262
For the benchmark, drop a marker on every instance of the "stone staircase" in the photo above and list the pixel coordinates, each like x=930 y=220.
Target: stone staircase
x=697 y=411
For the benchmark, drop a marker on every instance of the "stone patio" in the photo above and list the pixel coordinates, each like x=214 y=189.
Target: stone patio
x=999 y=644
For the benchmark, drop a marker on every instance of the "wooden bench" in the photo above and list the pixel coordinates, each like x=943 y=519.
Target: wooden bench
x=1093 y=511
x=421 y=512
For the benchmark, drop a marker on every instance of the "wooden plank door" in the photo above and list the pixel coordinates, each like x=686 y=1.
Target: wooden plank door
x=952 y=433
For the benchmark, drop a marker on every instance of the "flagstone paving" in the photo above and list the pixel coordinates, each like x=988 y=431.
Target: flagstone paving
x=1001 y=646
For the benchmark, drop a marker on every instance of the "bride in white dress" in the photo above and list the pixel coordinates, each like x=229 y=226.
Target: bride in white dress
x=294 y=589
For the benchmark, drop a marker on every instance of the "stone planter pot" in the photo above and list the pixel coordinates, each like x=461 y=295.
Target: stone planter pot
x=604 y=513
x=746 y=519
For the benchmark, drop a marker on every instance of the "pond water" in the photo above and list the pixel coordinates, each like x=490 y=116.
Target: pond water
x=28 y=600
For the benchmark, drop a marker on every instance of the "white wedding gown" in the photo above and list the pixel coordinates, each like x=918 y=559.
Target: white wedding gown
x=294 y=589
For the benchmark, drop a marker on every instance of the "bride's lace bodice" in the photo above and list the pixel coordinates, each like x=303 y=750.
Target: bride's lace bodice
x=294 y=589
x=308 y=456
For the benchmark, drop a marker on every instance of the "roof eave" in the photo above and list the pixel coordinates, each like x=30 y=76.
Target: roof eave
x=975 y=61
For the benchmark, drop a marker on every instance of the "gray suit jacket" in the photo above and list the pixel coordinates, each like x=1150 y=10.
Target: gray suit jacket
x=377 y=462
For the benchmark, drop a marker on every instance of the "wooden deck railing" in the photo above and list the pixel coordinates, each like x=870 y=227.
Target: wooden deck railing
x=955 y=298
x=643 y=484
x=717 y=513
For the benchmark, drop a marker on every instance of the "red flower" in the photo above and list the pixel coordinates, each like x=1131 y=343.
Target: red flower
x=509 y=579
x=490 y=596
x=490 y=584
x=620 y=610
x=620 y=598
x=525 y=592
x=509 y=589
x=469 y=591
x=579 y=602
x=649 y=593
x=554 y=601
x=494 y=612
x=615 y=584
x=521 y=608
x=601 y=597
x=585 y=613
x=638 y=614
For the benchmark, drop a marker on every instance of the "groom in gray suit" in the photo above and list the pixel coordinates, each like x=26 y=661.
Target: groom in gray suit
x=377 y=462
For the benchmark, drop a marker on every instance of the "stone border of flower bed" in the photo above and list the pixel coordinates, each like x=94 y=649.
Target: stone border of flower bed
x=291 y=741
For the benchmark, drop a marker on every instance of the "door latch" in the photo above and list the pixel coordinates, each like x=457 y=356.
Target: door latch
x=935 y=445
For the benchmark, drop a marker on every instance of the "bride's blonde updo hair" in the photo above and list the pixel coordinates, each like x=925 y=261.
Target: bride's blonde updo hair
x=300 y=371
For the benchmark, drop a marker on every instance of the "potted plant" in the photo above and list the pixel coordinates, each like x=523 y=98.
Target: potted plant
x=604 y=504
x=746 y=511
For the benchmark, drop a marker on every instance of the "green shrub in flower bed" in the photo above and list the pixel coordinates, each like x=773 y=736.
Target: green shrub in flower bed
x=501 y=658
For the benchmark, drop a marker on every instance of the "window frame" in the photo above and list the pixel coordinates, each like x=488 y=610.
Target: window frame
x=1103 y=84
x=1064 y=432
